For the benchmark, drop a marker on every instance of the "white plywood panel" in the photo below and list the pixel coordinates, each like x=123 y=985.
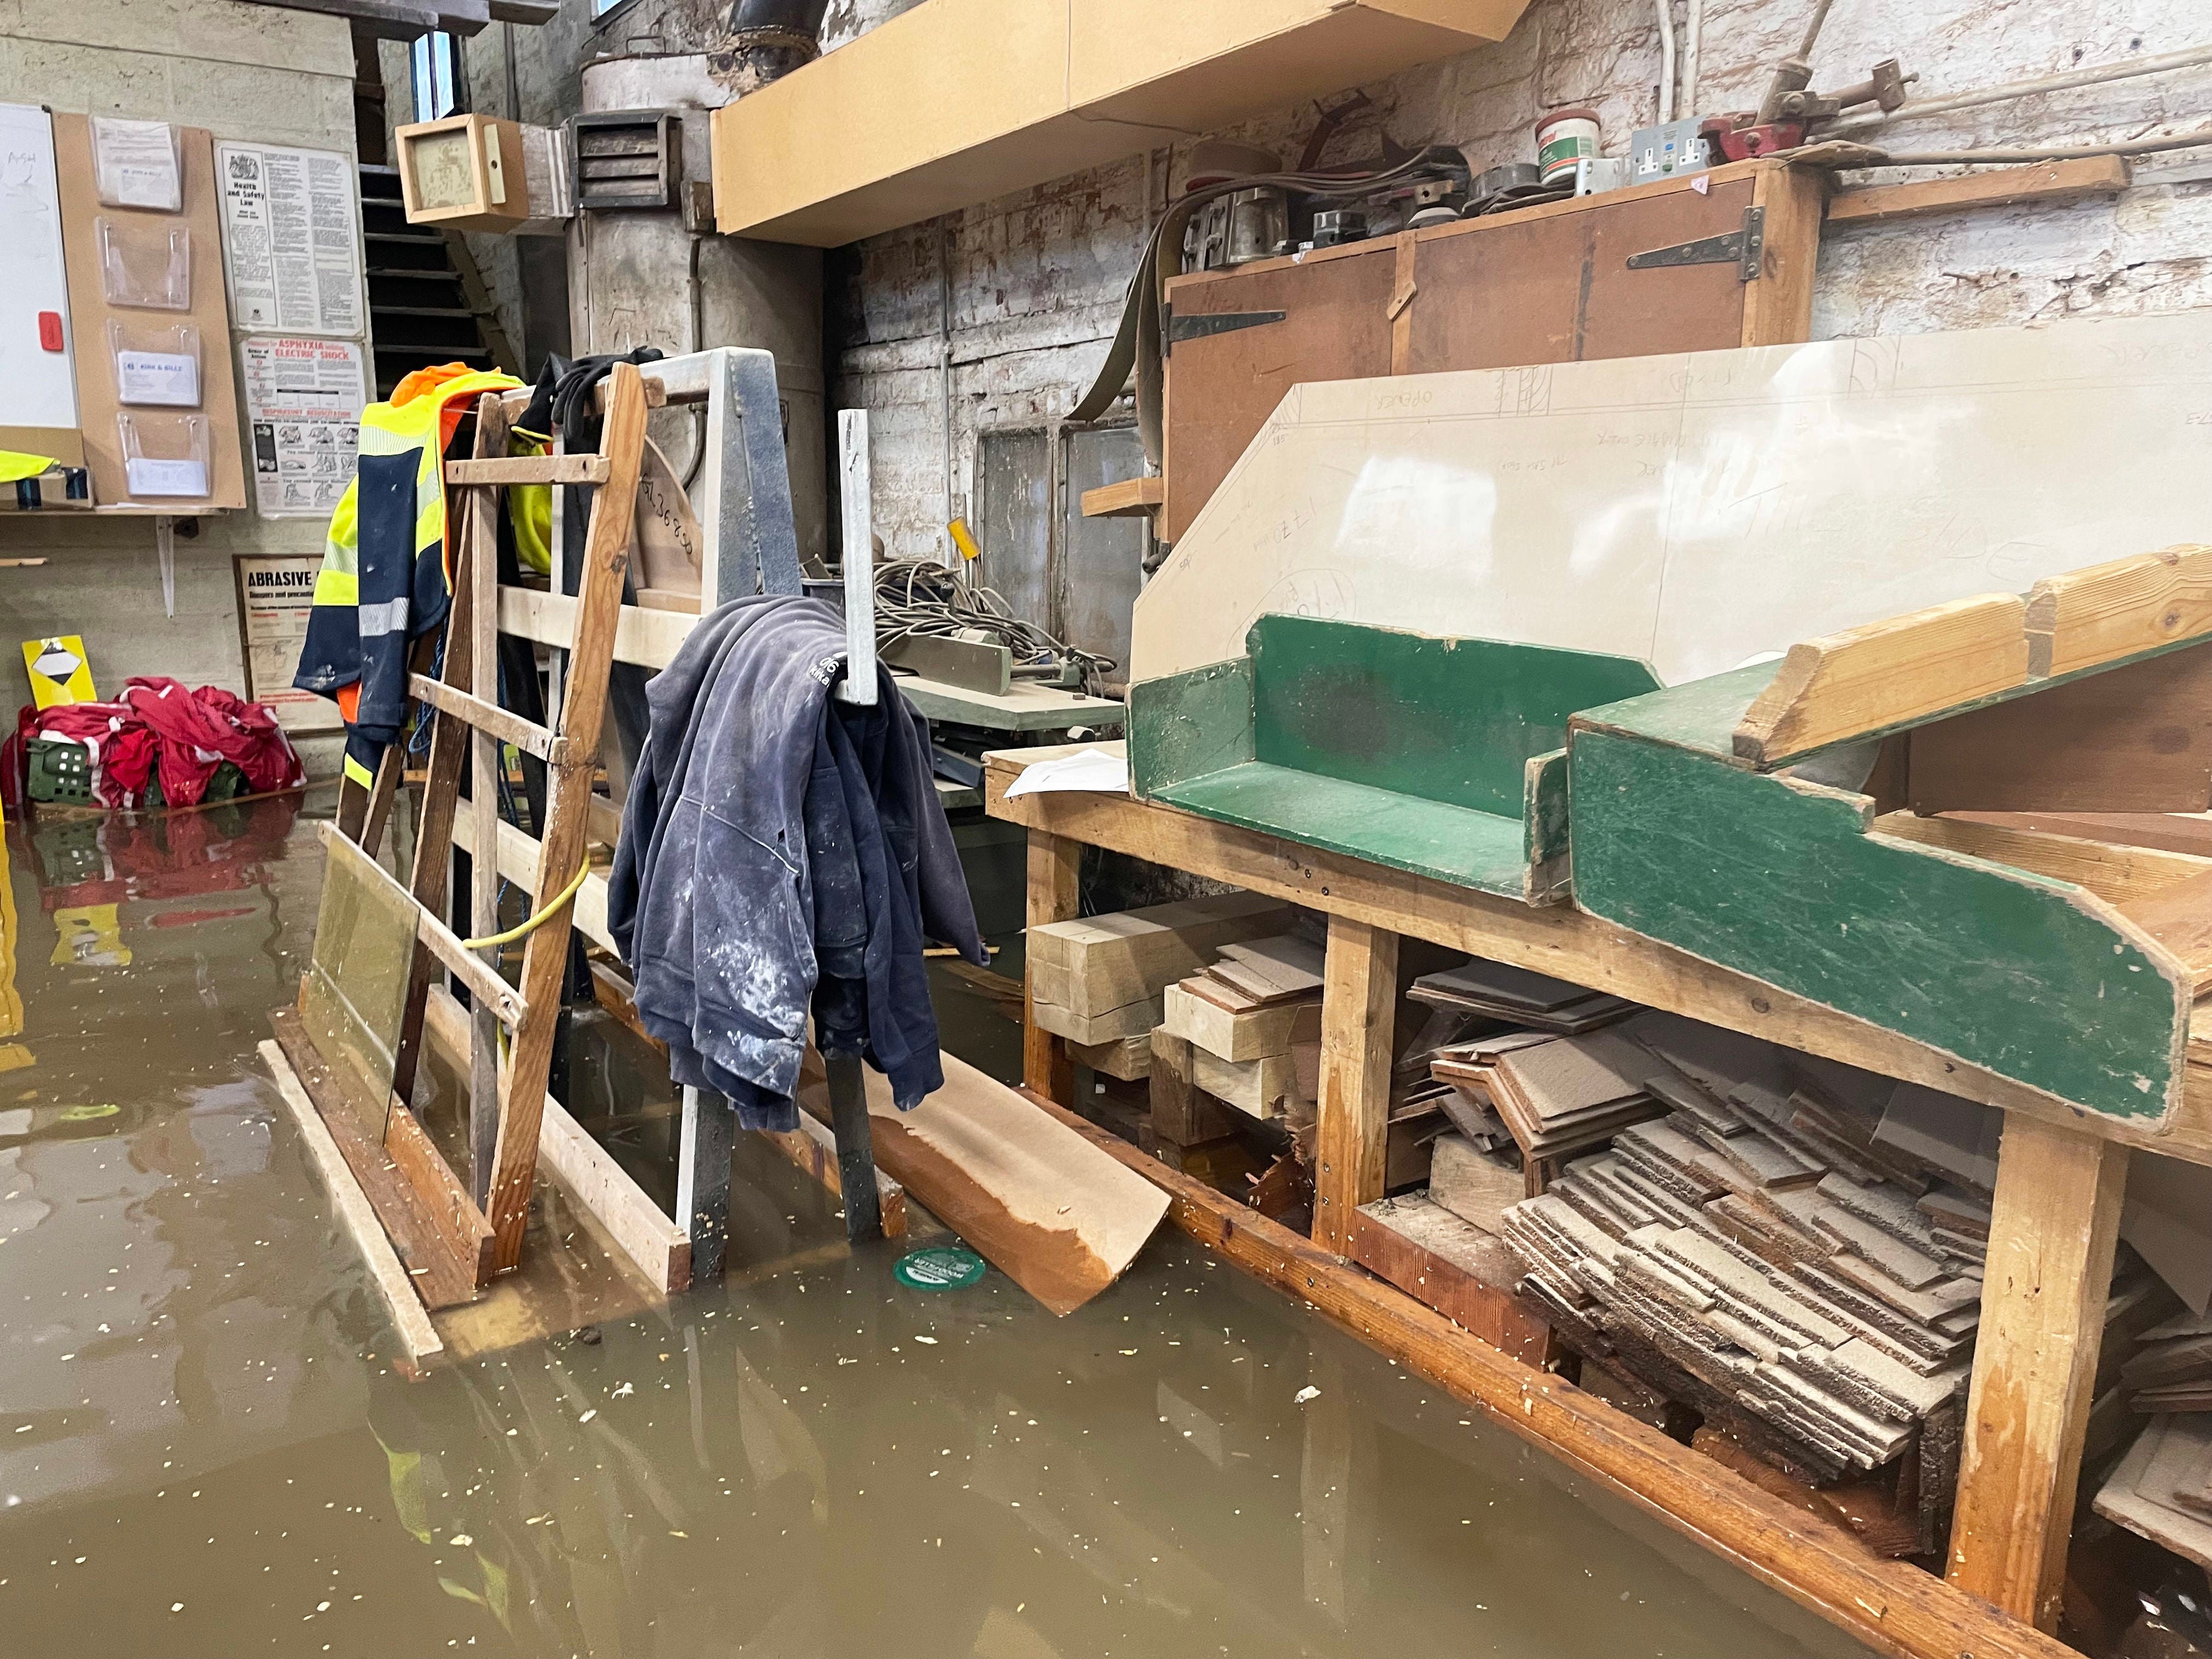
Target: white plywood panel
x=1696 y=511
x=38 y=388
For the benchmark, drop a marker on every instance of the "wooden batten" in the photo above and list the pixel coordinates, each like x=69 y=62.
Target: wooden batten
x=2044 y=182
x=2120 y=875
x=1891 y=674
x=2119 y=609
x=1887 y=674
x=1131 y=498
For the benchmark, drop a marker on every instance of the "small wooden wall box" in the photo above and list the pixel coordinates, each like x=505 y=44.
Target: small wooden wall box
x=464 y=173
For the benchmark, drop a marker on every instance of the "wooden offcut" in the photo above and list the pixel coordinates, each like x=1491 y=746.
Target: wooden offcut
x=1461 y=1272
x=1131 y=498
x=1040 y=1203
x=2117 y=608
x=1250 y=1034
x=1102 y=977
x=1885 y=674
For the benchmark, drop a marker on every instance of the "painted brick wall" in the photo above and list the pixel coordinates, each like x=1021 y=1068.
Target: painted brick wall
x=1032 y=284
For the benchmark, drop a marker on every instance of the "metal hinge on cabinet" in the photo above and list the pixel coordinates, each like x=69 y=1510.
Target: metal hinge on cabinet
x=1218 y=322
x=1745 y=249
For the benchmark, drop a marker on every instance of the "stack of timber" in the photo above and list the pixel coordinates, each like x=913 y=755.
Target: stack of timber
x=1531 y=1001
x=1098 y=981
x=1556 y=1095
x=2162 y=1488
x=1765 y=1254
x=2170 y=1370
x=1251 y=1017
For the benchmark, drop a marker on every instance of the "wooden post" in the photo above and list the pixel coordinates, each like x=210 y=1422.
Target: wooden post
x=545 y=956
x=1359 y=1013
x=1054 y=896
x=2053 y=1228
x=479 y=567
x=856 y=1163
x=703 y=1180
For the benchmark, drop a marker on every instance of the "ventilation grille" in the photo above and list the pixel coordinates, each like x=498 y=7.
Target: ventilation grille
x=624 y=158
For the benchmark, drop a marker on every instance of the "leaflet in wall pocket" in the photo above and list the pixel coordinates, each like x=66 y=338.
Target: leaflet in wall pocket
x=164 y=455
x=156 y=364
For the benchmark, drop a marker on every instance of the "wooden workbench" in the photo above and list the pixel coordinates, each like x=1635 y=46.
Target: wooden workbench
x=2060 y=1182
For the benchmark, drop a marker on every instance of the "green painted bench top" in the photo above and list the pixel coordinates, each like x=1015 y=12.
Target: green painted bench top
x=1421 y=753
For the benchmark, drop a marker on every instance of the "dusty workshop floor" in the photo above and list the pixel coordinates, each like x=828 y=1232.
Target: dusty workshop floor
x=205 y=1451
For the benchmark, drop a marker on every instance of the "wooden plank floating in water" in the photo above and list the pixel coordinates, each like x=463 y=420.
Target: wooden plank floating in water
x=1040 y=1205
x=410 y=1320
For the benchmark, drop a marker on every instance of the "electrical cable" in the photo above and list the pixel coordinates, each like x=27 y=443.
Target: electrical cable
x=920 y=599
x=552 y=908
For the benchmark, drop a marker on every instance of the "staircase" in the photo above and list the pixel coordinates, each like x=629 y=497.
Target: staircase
x=426 y=302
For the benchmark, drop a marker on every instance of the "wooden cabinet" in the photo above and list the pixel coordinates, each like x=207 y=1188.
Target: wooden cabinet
x=1543 y=285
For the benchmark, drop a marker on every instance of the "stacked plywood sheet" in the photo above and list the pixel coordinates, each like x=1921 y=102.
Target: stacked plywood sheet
x=2170 y=1370
x=1532 y=1001
x=1761 y=1251
x=1101 y=979
x=2162 y=1488
x=1556 y=1094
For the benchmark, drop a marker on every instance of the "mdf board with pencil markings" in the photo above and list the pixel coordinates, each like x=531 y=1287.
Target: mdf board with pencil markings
x=1546 y=284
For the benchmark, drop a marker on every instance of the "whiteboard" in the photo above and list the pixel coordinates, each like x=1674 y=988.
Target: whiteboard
x=38 y=388
x=1697 y=510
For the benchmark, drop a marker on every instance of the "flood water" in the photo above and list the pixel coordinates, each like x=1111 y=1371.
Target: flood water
x=205 y=1449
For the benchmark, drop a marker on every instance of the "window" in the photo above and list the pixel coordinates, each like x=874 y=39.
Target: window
x=437 y=79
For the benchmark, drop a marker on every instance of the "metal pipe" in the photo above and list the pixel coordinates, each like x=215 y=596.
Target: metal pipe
x=1693 y=29
x=1812 y=28
x=2096 y=75
x=2064 y=153
x=1666 y=60
x=1795 y=74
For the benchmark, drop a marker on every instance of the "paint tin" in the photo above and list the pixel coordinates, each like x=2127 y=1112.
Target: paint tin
x=1563 y=138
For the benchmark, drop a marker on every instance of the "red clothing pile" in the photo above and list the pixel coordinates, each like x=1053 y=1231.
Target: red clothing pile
x=187 y=734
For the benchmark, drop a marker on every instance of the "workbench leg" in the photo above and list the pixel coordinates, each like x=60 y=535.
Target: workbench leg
x=2053 y=1228
x=856 y=1155
x=703 y=1180
x=1054 y=863
x=1358 y=1016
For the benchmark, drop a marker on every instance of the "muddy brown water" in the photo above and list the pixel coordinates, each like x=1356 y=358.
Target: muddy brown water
x=205 y=1450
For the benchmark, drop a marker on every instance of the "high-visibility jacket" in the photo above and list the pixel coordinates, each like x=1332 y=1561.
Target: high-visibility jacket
x=386 y=575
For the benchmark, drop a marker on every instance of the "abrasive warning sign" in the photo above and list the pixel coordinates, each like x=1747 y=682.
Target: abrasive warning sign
x=275 y=591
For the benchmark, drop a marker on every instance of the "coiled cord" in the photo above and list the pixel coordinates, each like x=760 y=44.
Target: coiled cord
x=922 y=599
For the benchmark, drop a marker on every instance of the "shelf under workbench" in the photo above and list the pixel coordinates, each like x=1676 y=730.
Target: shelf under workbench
x=2059 y=1179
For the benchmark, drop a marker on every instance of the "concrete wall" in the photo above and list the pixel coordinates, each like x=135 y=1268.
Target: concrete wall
x=245 y=72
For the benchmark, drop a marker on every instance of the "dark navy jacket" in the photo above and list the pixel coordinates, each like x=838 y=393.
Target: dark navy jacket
x=781 y=850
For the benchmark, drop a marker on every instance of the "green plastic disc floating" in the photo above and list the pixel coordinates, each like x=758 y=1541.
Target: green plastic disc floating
x=939 y=1267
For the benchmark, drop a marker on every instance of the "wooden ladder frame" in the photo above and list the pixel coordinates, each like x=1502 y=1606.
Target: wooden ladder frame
x=506 y=1100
